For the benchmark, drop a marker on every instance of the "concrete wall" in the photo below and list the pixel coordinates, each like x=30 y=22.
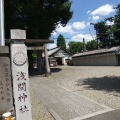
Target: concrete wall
x=118 y=57
x=96 y=60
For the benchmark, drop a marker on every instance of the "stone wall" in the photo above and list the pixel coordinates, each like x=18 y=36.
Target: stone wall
x=6 y=95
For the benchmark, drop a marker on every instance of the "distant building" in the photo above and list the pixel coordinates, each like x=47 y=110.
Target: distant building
x=101 y=57
x=59 y=56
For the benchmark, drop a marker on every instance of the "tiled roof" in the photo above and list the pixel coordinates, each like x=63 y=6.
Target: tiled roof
x=107 y=50
x=52 y=51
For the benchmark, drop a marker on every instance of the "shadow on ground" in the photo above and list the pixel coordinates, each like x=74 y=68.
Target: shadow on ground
x=35 y=71
x=53 y=70
x=106 y=83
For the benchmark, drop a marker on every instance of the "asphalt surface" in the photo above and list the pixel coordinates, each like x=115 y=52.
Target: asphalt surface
x=113 y=115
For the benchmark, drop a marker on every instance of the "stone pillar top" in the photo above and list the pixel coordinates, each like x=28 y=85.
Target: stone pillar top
x=17 y=34
x=4 y=50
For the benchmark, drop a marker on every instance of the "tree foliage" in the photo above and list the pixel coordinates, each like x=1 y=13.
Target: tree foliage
x=75 y=47
x=101 y=33
x=61 y=41
x=116 y=26
x=91 y=45
x=114 y=30
x=109 y=35
x=38 y=17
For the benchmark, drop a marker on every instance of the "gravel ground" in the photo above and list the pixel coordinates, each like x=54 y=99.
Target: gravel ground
x=100 y=83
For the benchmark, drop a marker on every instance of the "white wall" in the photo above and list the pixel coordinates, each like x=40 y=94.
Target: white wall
x=67 y=55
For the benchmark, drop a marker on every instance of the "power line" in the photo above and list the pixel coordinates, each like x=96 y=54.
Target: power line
x=56 y=38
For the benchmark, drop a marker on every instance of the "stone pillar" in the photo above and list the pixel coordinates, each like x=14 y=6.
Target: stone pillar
x=46 y=61
x=39 y=62
x=20 y=76
x=6 y=95
x=63 y=60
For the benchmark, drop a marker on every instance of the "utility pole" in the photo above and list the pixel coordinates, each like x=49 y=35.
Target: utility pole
x=2 y=34
x=96 y=35
x=84 y=46
x=91 y=33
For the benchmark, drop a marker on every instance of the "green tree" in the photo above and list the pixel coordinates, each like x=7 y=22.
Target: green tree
x=109 y=35
x=38 y=17
x=114 y=29
x=75 y=47
x=116 y=26
x=102 y=34
x=91 y=45
x=61 y=41
x=111 y=39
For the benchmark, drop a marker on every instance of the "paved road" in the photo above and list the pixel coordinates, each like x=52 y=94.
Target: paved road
x=112 y=115
x=64 y=104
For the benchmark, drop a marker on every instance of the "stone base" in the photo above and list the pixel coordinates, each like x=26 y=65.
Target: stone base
x=48 y=74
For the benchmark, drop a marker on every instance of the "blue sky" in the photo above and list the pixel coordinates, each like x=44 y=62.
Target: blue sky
x=84 y=12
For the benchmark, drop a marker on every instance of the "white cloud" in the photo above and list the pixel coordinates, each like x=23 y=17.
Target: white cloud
x=79 y=25
x=50 y=46
x=66 y=29
x=80 y=37
x=53 y=33
x=109 y=23
x=88 y=23
x=103 y=10
x=95 y=17
x=70 y=28
x=88 y=11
